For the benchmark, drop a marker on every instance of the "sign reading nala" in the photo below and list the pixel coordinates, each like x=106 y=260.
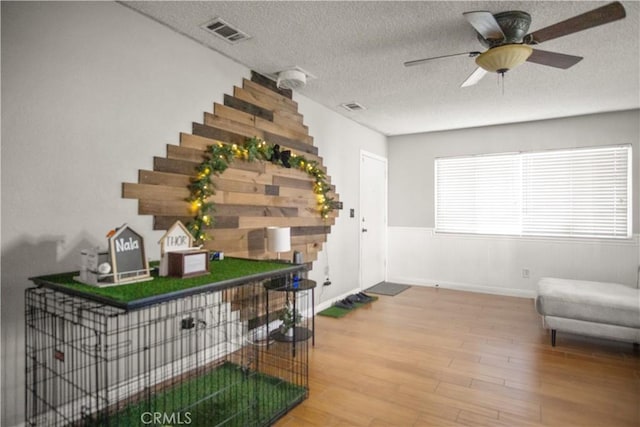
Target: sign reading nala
x=127 y=245
x=128 y=260
x=124 y=262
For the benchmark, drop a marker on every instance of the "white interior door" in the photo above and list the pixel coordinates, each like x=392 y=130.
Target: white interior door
x=373 y=219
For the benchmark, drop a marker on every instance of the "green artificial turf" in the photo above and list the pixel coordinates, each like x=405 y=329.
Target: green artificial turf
x=338 y=312
x=226 y=396
x=229 y=268
x=335 y=312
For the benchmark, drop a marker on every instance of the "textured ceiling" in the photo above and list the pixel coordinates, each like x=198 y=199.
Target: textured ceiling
x=356 y=51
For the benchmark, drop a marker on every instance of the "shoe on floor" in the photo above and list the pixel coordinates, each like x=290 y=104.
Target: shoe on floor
x=353 y=299
x=341 y=304
x=365 y=297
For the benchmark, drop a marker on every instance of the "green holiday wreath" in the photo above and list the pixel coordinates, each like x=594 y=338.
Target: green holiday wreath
x=218 y=158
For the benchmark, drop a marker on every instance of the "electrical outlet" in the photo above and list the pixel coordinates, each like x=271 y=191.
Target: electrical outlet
x=525 y=273
x=187 y=323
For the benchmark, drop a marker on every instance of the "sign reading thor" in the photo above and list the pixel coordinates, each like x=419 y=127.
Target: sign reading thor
x=128 y=260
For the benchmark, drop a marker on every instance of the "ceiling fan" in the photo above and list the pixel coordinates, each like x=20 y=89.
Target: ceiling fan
x=505 y=36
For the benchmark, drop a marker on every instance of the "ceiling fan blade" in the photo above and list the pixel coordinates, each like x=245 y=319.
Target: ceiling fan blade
x=422 y=61
x=475 y=77
x=485 y=24
x=602 y=15
x=553 y=59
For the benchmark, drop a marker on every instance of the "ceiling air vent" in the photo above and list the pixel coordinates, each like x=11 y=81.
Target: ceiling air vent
x=221 y=28
x=353 y=106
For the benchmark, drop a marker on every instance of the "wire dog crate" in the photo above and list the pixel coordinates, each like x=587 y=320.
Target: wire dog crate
x=201 y=360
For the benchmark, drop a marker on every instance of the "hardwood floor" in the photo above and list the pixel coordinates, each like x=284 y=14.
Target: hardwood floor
x=437 y=357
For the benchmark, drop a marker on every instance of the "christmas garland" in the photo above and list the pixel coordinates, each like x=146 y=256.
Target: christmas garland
x=217 y=161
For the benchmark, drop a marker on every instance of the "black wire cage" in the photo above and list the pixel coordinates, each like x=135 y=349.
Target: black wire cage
x=217 y=358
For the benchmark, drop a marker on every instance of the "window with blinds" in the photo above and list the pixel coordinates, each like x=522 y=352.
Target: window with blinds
x=581 y=192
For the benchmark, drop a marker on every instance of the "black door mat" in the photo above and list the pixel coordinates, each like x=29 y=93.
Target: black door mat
x=387 y=288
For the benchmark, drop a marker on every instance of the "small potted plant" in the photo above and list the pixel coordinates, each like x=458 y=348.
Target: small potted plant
x=289 y=319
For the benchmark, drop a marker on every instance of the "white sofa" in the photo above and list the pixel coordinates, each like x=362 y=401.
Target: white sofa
x=604 y=310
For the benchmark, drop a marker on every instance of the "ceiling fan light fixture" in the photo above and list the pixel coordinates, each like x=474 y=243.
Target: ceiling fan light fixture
x=501 y=59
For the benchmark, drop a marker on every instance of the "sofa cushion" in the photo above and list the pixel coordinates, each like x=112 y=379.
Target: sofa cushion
x=601 y=302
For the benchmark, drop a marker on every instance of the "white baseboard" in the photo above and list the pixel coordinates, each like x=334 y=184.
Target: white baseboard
x=468 y=287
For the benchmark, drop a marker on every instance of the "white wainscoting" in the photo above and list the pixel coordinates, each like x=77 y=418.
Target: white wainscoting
x=495 y=264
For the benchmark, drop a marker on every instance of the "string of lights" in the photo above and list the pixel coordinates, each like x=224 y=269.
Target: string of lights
x=254 y=149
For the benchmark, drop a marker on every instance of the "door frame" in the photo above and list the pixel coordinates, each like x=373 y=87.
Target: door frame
x=363 y=154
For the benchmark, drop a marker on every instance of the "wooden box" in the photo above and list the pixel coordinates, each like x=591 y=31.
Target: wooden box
x=188 y=263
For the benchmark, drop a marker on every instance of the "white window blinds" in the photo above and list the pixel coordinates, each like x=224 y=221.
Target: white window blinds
x=478 y=194
x=576 y=193
x=581 y=193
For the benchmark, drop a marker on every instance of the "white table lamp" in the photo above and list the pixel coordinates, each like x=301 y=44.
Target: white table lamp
x=278 y=239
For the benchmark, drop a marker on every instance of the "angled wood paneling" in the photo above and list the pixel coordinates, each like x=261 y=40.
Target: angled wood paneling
x=217 y=134
x=247 y=107
x=163 y=178
x=270 y=84
x=238 y=116
x=249 y=196
x=154 y=192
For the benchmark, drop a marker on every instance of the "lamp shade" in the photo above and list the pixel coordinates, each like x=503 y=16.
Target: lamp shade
x=278 y=239
x=504 y=58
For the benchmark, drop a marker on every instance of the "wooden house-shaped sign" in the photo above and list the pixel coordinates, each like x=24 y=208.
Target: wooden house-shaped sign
x=124 y=261
x=128 y=260
x=178 y=257
x=177 y=238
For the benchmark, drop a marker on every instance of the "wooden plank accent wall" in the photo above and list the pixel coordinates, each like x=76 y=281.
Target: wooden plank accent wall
x=249 y=196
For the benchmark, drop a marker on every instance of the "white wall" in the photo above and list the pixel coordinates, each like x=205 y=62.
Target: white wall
x=91 y=92
x=490 y=263
x=339 y=142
